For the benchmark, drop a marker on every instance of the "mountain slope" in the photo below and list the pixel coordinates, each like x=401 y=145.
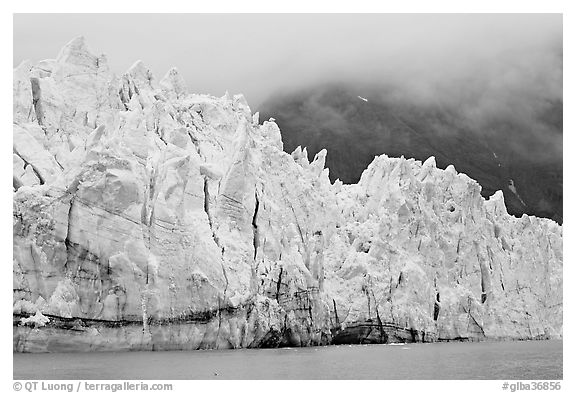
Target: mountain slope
x=518 y=156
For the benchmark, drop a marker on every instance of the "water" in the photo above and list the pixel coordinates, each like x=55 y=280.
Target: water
x=496 y=360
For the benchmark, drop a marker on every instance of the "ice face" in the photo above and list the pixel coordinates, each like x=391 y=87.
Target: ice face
x=160 y=218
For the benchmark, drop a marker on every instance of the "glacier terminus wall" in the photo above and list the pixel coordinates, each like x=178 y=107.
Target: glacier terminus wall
x=146 y=217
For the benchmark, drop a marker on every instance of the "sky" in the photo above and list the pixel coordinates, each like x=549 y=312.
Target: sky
x=261 y=54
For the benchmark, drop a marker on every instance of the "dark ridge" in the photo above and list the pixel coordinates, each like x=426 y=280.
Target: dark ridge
x=491 y=150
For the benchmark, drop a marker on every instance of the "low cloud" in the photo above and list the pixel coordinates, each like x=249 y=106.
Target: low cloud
x=484 y=65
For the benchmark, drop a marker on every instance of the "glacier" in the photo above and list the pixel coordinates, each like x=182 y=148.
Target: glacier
x=146 y=217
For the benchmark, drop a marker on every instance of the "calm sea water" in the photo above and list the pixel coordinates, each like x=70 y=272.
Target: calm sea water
x=497 y=360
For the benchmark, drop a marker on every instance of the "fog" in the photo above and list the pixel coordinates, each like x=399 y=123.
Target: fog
x=258 y=54
x=485 y=65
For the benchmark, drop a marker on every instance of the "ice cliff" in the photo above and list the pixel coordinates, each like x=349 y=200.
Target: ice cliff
x=147 y=217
